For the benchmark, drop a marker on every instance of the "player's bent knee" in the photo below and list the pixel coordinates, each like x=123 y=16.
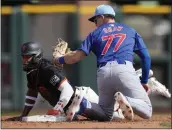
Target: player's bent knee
x=144 y=112
x=147 y=114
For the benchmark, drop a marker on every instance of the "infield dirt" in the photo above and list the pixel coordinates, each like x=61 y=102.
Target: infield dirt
x=157 y=121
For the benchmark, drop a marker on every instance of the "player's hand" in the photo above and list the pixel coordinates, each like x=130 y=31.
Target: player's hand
x=18 y=118
x=146 y=87
x=53 y=112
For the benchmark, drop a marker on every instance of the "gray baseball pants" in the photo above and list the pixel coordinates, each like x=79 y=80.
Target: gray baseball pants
x=114 y=77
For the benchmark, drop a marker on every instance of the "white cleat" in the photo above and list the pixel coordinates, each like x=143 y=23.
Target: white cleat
x=75 y=105
x=117 y=114
x=158 y=88
x=124 y=105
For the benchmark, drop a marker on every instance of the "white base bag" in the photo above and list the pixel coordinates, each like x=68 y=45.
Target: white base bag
x=44 y=118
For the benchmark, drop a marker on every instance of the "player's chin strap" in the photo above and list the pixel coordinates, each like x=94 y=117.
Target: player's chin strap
x=31 y=71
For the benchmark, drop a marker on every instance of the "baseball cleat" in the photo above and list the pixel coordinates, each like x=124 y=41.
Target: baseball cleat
x=158 y=88
x=74 y=107
x=117 y=115
x=77 y=107
x=124 y=105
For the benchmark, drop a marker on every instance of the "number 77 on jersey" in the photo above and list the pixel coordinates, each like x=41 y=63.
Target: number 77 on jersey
x=109 y=40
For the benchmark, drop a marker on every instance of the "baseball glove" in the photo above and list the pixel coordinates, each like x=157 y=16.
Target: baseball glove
x=60 y=49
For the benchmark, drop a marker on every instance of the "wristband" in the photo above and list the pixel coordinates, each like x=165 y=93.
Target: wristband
x=31 y=98
x=28 y=104
x=61 y=60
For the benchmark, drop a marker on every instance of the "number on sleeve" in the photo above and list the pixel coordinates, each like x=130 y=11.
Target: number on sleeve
x=110 y=39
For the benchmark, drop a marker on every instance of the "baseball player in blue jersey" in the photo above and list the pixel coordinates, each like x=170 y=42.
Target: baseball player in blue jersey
x=114 y=45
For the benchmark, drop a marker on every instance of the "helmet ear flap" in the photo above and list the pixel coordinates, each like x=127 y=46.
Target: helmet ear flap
x=37 y=57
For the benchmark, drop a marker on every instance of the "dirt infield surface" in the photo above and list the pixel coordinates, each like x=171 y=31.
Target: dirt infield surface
x=157 y=121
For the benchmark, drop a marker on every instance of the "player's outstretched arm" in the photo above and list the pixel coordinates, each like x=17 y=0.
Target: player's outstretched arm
x=30 y=100
x=63 y=55
x=65 y=96
x=146 y=63
x=71 y=57
x=31 y=97
x=141 y=50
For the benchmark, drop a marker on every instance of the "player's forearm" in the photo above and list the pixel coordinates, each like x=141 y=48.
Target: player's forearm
x=65 y=96
x=72 y=57
x=26 y=111
x=146 y=63
x=30 y=100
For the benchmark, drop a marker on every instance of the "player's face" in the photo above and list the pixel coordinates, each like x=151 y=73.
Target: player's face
x=26 y=59
x=99 y=20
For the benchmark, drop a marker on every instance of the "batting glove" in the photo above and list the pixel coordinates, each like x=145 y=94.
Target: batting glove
x=53 y=112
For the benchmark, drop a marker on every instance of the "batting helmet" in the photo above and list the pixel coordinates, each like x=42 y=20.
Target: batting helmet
x=34 y=50
x=103 y=10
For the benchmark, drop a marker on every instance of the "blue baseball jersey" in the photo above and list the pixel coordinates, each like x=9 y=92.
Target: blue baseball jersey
x=113 y=41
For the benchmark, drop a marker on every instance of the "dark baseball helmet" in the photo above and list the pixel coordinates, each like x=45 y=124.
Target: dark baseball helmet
x=34 y=50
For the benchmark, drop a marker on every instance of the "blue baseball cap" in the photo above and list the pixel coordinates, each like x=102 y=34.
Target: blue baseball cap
x=102 y=10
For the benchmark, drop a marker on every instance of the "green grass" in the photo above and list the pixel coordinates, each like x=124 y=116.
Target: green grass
x=166 y=124
x=17 y=113
x=14 y=113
